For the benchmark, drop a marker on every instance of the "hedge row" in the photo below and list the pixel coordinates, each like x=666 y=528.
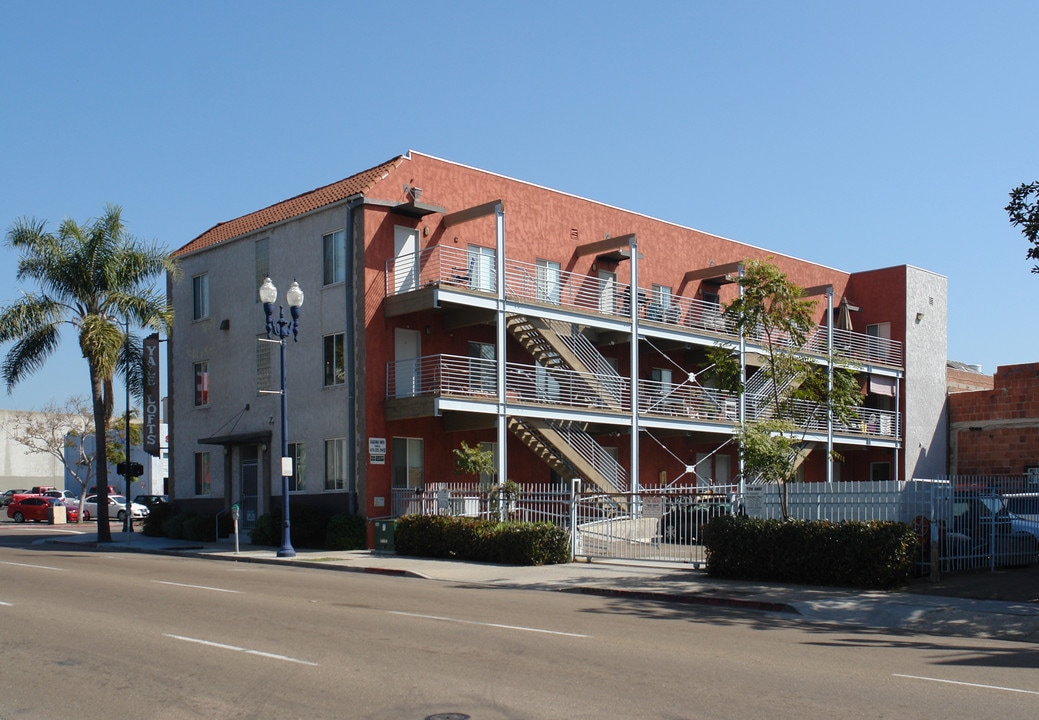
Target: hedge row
x=311 y=528
x=462 y=538
x=848 y=554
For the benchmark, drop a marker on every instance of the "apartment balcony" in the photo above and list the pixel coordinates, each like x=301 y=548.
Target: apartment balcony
x=465 y=283
x=434 y=384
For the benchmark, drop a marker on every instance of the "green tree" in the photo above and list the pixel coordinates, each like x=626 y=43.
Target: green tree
x=97 y=278
x=473 y=460
x=1024 y=213
x=773 y=315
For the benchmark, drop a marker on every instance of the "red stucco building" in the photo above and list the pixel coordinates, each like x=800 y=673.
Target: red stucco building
x=447 y=304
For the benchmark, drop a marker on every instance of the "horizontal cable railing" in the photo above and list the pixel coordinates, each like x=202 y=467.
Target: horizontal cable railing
x=687 y=401
x=474 y=271
x=476 y=378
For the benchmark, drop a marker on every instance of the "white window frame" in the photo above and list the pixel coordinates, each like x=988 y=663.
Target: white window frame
x=333 y=257
x=412 y=452
x=200 y=297
x=331 y=368
x=335 y=464
x=201 y=376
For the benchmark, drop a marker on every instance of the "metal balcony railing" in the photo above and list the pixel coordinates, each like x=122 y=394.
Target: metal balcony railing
x=476 y=378
x=470 y=270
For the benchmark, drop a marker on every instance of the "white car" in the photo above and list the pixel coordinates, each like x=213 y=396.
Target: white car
x=69 y=498
x=116 y=508
x=1023 y=505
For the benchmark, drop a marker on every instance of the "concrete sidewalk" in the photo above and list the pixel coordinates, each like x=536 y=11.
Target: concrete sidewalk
x=641 y=582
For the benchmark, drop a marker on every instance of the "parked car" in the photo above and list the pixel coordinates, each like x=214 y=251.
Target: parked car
x=688 y=514
x=151 y=501
x=38 y=509
x=982 y=523
x=116 y=508
x=66 y=496
x=1023 y=505
x=8 y=496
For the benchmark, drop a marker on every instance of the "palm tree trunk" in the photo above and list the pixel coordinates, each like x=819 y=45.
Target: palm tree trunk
x=104 y=532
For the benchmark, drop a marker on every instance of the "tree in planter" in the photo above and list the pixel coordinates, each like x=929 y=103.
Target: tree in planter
x=773 y=313
x=475 y=461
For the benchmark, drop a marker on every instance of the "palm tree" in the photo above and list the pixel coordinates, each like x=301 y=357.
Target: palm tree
x=98 y=279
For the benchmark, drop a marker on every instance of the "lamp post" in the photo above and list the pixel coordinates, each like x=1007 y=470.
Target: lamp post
x=280 y=329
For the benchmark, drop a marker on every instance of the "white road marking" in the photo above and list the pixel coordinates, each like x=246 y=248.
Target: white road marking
x=969 y=684
x=6 y=604
x=38 y=567
x=222 y=646
x=494 y=625
x=197 y=587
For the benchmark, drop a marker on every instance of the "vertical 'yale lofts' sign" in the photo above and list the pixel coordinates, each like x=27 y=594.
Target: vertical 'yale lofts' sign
x=150 y=438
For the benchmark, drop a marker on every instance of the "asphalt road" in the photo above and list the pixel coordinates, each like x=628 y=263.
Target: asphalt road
x=86 y=634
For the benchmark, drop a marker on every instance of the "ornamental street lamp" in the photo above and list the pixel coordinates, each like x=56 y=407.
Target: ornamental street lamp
x=280 y=329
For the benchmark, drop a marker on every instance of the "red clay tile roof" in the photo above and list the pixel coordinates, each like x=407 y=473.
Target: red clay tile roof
x=299 y=205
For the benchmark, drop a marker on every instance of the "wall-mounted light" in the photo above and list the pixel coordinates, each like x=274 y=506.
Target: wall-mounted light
x=263 y=447
x=919 y=317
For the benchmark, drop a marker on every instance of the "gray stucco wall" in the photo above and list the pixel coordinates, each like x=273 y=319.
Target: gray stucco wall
x=18 y=467
x=926 y=435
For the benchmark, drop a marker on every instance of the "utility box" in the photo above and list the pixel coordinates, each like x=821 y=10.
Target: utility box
x=56 y=515
x=384 y=532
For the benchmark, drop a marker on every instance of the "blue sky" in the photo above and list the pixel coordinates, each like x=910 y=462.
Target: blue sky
x=855 y=135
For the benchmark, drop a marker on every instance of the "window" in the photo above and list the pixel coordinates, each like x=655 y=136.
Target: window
x=335 y=464
x=263 y=263
x=203 y=483
x=547 y=273
x=482 y=372
x=481 y=262
x=335 y=360
x=201 y=384
x=879 y=471
x=489 y=479
x=879 y=335
x=607 y=292
x=297 y=483
x=660 y=304
x=335 y=257
x=200 y=295
x=407 y=462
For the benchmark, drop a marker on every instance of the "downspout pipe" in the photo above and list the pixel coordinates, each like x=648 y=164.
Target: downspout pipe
x=349 y=351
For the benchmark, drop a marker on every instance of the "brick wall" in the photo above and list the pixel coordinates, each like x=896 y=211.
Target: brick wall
x=996 y=432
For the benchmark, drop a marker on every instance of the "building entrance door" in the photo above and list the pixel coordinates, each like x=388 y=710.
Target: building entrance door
x=250 y=476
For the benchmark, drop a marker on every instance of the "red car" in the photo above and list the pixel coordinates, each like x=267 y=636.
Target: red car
x=37 y=509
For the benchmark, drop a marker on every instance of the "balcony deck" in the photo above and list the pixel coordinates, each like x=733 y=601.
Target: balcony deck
x=448 y=275
x=427 y=385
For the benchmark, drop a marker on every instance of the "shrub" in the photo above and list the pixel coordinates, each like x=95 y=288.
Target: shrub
x=200 y=528
x=851 y=554
x=463 y=538
x=153 y=523
x=346 y=531
x=307 y=529
x=266 y=531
